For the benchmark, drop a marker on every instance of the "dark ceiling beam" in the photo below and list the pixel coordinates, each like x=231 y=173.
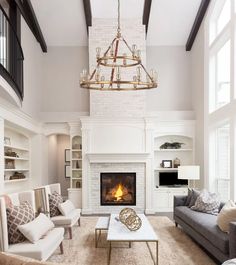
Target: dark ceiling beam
x=88 y=13
x=197 y=23
x=28 y=13
x=146 y=13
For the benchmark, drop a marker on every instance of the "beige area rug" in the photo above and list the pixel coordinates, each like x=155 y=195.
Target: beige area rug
x=175 y=247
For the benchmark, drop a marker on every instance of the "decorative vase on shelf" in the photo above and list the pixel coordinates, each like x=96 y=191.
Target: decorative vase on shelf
x=176 y=162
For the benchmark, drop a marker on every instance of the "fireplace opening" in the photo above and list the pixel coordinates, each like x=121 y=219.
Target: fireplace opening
x=118 y=188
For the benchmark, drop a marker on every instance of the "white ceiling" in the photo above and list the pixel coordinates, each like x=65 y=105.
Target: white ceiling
x=63 y=21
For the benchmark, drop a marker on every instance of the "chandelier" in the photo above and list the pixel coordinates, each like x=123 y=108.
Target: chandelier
x=119 y=60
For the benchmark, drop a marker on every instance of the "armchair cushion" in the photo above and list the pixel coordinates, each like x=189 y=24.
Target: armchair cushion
x=42 y=249
x=18 y=215
x=36 y=229
x=54 y=200
x=66 y=207
x=67 y=221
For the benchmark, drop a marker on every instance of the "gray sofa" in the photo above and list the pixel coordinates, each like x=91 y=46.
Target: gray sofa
x=203 y=229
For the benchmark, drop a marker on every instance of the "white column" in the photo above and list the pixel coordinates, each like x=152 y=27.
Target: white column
x=1 y=155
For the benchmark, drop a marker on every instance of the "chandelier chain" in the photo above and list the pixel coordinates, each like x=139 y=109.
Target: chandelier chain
x=118 y=29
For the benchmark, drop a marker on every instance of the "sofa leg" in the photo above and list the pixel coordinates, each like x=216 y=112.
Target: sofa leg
x=70 y=232
x=61 y=248
x=176 y=224
x=79 y=222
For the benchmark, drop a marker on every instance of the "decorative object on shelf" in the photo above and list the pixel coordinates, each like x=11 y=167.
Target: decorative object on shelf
x=17 y=175
x=7 y=141
x=67 y=171
x=166 y=163
x=77 y=164
x=9 y=164
x=176 y=162
x=80 y=146
x=189 y=172
x=130 y=219
x=67 y=155
x=75 y=146
x=116 y=62
x=174 y=145
x=78 y=184
x=9 y=152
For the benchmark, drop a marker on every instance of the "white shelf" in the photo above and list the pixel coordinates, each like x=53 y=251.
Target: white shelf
x=16 y=158
x=173 y=150
x=76 y=159
x=15 y=180
x=77 y=178
x=77 y=169
x=166 y=169
x=15 y=169
x=16 y=148
x=76 y=150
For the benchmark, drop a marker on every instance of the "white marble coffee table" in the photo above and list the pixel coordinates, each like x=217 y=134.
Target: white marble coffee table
x=118 y=232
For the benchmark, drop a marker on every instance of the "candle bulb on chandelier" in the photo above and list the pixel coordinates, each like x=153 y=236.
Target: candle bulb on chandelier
x=134 y=49
x=124 y=59
x=97 y=76
x=98 y=51
x=118 y=77
x=139 y=73
x=135 y=80
x=139 y=54
x=102 y=80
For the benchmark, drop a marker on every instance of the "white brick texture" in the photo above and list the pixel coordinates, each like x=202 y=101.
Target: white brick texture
x=115 y=103
x=97 y=168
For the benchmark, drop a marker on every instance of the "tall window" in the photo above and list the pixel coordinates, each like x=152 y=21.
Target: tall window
x=221 y=106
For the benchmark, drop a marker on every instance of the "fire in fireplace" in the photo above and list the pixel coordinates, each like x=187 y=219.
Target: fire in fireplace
x=118 y=188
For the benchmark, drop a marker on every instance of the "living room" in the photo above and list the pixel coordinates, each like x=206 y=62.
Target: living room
x=117 y=132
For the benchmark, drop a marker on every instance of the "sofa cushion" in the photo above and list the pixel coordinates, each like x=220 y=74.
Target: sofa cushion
x=194 y=195
x=207 y=202
x=226 y=216
x=36 y=229
x=54 y=200
x=68 y=220
x=18 y=215
x=66 y=207
x=206 y=225
x=42 y=249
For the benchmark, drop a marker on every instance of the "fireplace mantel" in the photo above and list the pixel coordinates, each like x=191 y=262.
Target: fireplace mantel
x=117 y=157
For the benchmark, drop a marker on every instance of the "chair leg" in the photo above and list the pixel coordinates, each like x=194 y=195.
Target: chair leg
x=79 y=222
x=61 y=248
x=176 y=224
x=70 y=232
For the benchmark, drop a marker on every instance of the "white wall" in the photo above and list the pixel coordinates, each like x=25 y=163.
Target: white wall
x=52 y=159
x=172 y=64
x=61 y=91
x=63 y=142
x=32 y=71
x=197 y=84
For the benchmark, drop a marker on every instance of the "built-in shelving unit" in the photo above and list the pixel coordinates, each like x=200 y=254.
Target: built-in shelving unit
x=76 y=162
x=163 y=195
x=16 y=156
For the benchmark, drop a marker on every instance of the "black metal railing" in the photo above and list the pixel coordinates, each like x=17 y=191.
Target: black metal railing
x=11 y=55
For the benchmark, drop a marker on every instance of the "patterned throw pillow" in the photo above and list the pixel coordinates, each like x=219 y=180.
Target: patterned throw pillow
x=18 y=215
x=54 y=200
x=207 y=202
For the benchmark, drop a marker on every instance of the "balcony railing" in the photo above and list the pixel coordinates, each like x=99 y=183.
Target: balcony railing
x=11 y=55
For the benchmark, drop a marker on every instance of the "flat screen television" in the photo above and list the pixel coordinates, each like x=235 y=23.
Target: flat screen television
x=171 y=179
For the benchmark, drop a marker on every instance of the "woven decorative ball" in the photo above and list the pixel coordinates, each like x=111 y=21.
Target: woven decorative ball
x=130 y=219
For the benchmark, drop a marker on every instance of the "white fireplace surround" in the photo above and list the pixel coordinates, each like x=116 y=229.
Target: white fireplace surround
x=117 y=157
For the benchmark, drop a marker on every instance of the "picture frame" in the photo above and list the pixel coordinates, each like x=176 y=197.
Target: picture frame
x=166 y=163
x=67 y=155
x=67 y=171
x=7 y=140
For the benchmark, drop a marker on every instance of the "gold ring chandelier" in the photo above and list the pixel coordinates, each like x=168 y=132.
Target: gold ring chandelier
x=111 y=66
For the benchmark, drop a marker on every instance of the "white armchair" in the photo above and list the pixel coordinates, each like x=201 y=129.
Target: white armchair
x=62 y=221
x=43 y=248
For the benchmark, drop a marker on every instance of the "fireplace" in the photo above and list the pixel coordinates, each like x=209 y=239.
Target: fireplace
x=118 y=188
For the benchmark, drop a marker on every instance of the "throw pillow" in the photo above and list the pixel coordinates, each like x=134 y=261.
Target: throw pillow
x=18 y=215
x=36 y=229
x=226 y=216
x=207 y=202
x=190 y=191
x=8 y=201
x=194 y=196
x=54 y=200
x=66 y=207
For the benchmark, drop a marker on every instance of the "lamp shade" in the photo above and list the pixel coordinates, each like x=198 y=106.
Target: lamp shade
x=189 y=172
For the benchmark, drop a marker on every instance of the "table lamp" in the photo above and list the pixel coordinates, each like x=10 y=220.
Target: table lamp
x=189 y=173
